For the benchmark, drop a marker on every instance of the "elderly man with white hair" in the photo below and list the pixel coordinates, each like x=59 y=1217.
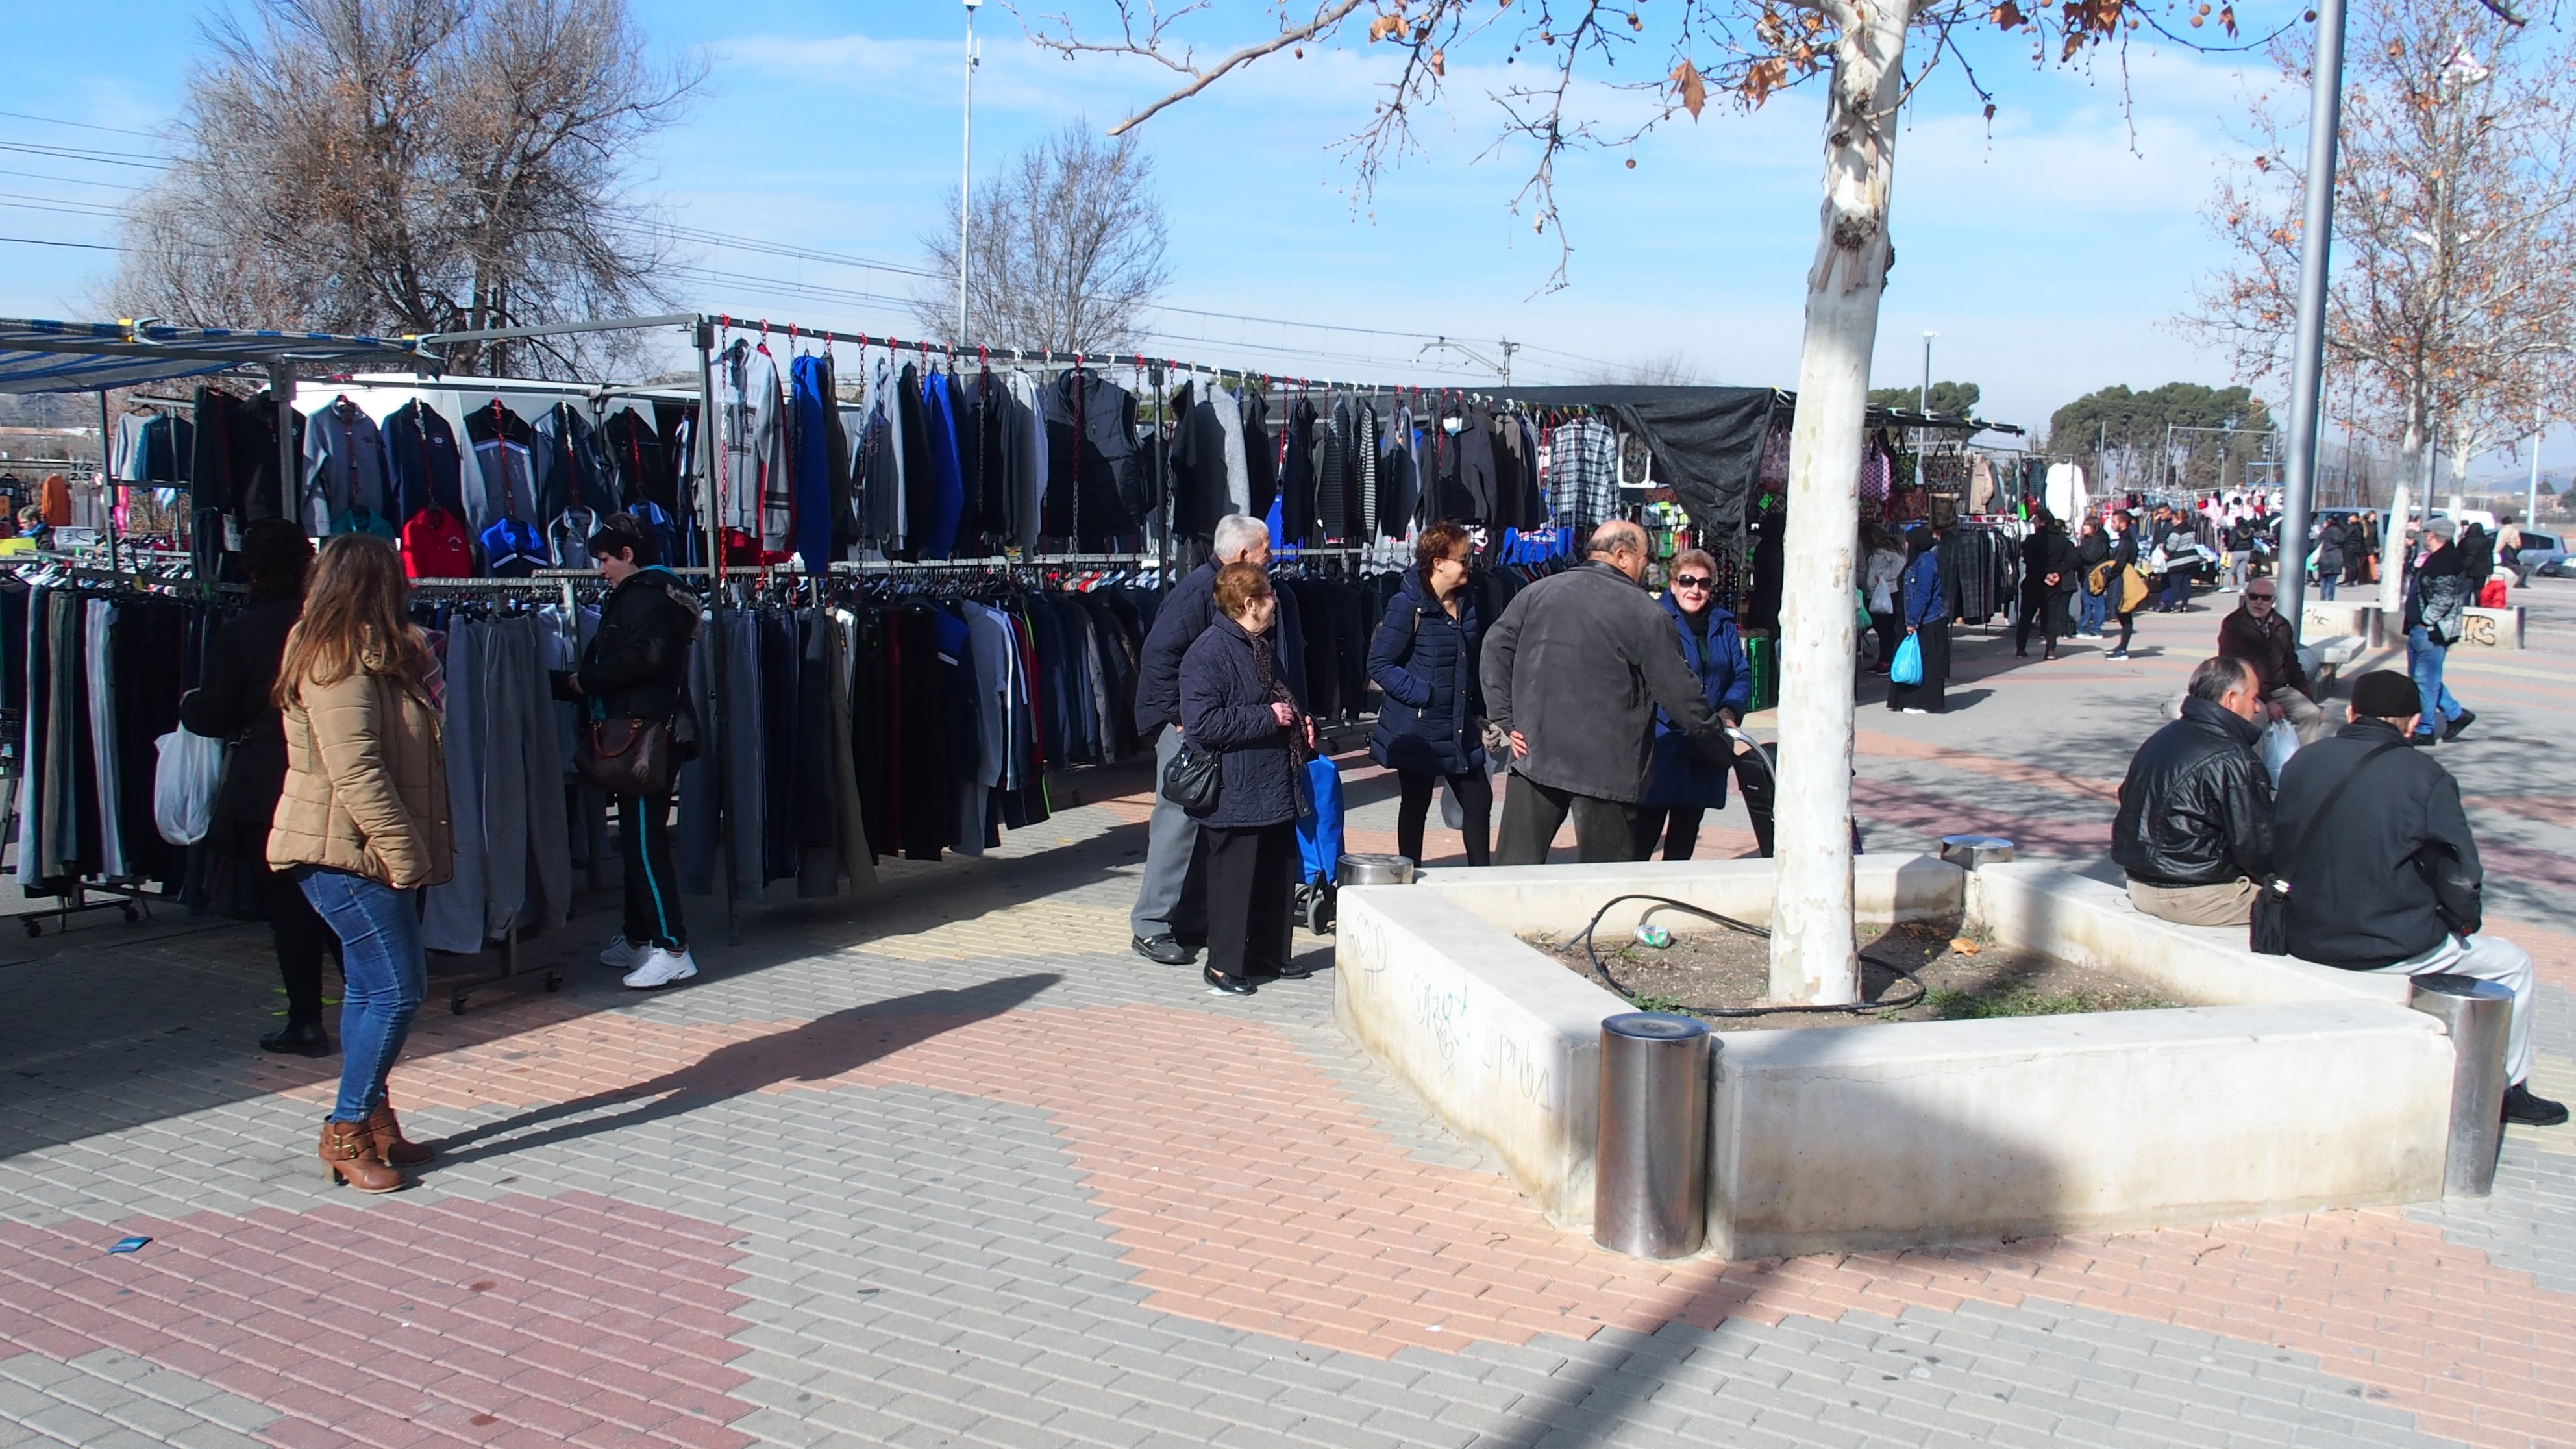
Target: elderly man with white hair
x=1170 y=918
x=1573 y=672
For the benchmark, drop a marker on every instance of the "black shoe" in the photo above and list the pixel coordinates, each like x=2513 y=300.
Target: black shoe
x=303 y=1039
x=2467 y=718
x=1283 y=971
x=2021 y=654
x=1166 y=950
x=2423 y=741
x=1230 y=985
x=2520 y=1106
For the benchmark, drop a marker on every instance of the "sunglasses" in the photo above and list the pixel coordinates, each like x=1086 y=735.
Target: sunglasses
x=2259 y=598
x=1689 y=581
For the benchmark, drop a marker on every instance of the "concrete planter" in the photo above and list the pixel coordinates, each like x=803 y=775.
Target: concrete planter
x=2295 y=1087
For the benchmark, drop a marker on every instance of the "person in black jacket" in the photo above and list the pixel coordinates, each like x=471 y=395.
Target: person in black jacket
x=2090 y=551
x=637 y=667
x=1431 y=727
x=1171 y=900
x=233 y=703
x=1234 y=702
x=2382 y=873
x=2047 y=582
x=2194 y=832
x=2437 y=604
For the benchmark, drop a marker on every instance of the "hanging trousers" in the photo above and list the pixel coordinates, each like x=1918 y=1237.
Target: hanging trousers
x=1249 y=875
x=652 y=883
x=1604 y=830
x=1475 y=802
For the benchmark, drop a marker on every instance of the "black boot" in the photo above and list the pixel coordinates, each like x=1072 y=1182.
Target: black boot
x=298 y=1038
x=2521 y=1106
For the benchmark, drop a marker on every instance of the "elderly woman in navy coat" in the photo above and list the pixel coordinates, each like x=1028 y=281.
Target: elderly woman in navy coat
x=1234 y=702
x=1431 y=727
x=1680 y=788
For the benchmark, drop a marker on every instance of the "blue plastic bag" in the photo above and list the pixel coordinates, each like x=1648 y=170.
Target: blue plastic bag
x=1907 y=666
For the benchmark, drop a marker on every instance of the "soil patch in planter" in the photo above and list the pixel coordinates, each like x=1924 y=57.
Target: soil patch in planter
x=1962 y=978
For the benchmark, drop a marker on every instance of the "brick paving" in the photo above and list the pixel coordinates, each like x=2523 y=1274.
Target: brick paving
x=948 y=1165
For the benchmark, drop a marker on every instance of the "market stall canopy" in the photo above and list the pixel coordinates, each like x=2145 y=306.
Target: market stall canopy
x=41 y=356
x=1707 y=441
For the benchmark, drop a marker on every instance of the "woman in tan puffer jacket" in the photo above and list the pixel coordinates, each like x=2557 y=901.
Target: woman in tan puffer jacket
x=362 y=825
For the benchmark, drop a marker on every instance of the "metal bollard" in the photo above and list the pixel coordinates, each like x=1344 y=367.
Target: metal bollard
x=1970 y=851
x=1650 y=1172
x=1373 y=870
x=2476 y=1014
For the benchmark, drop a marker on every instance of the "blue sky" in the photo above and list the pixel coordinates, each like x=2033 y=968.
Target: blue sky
x=2049 y=251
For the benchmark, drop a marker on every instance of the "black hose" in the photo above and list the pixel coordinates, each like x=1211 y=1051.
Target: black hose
x=1731 y=1012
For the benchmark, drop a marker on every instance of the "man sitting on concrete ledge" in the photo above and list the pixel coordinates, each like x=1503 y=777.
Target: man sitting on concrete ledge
x=2194 y=832
x=2387 y=877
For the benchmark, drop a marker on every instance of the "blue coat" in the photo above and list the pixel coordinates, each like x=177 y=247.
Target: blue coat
x=1426 y=663
x=1225 y=709
x=1725 y=674
x=1923 y=601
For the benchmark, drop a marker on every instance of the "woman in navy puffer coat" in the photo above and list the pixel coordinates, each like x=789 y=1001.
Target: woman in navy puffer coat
x=1234 y=703
x=1431 y=726
x=1680 y=788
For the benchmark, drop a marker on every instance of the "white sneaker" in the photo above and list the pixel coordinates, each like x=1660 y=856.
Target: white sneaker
x=623 y=955
x=661 y=967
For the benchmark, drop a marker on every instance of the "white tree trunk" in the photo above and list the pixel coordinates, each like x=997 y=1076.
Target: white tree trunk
x=1814 y=956
x=2392 y=542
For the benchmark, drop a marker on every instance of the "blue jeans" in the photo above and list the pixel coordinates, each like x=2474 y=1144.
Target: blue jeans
x=385 y=974
x=2326 y=581
x=2093 y=610
x=2424 y=664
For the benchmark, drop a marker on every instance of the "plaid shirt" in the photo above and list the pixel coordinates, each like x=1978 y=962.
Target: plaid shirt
x=1583 y=474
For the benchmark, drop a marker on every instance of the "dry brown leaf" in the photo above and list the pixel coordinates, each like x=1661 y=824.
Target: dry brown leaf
x=1689 y=88
x=1961 y=945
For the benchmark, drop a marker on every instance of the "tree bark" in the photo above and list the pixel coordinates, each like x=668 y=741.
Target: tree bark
x=2392 y=541
x=1814 y=955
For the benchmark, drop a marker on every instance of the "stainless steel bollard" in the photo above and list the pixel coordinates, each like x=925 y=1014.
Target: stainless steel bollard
x=1373 y=870
x=1970 y=851
x=1650 y=1172
x=2476 y=1014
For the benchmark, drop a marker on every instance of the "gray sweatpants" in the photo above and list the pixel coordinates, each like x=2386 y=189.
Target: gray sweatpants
x=1172 y=899
x=2488 y=958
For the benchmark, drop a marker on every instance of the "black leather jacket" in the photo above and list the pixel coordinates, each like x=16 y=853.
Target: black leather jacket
x=2196 y=808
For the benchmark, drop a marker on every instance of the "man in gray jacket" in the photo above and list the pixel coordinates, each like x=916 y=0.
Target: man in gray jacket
x=1573 y=672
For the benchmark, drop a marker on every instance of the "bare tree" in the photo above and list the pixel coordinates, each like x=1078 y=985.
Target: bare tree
x=1067 y=249
x=1674 y=368
x=1748 y=49
x=410 y=166
x=2455 y=233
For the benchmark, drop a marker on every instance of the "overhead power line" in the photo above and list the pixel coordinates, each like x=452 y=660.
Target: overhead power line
x=84 y=125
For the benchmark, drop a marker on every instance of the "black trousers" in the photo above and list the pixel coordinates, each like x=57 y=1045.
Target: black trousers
x=652 y=885
x=302 y=938
x=1250 y=873
x=2128 y=629
x=1679 y=824
x=1604 y=830
x=1475 y=801
x=2046 y=608
x=1890 y=634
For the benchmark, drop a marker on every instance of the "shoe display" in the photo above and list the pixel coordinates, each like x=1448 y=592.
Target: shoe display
x=1218 y=981
x=660 y=968
x=303 y=1039
x=2520 y=1106
x=2467 y=718
x=349 y=1155
x=621 y=954
x=1166 y=949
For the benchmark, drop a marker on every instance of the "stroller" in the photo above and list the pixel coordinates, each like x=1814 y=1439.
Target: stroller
x=1319 y=846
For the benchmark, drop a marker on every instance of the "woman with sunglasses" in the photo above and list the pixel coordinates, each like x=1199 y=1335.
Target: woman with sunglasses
x=1681 y=788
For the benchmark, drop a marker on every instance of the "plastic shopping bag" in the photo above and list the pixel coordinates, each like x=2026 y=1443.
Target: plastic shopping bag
x=1907 y=668
x=2280 y=742
x=183 y=786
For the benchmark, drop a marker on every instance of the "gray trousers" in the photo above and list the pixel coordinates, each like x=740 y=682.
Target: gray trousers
x=2487 y=958
x=1172 y=899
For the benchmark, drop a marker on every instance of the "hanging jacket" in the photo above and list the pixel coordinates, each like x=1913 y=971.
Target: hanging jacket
x=1426 y=663
x=423 y=462
x=635 y=454
x=1678 y=776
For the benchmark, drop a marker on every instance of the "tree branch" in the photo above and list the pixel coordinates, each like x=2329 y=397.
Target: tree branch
x=1151 y=48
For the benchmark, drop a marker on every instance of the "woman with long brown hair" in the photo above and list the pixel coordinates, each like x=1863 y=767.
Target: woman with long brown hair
x=362 y=825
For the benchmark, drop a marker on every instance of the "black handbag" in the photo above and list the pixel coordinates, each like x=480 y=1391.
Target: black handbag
x=1191 y=779
x=2268 y=931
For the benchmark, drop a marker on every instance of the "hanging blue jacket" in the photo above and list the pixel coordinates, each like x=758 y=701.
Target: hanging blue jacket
x=1426 y=662
x=810 y=467
x=1677 y=776
x=939 y=535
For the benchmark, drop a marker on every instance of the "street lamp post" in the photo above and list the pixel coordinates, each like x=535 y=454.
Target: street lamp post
x=2307 y=367
x=1923 y=405
x=966 y=168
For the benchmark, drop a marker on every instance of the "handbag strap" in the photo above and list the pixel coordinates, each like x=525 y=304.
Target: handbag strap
x=2288 y=862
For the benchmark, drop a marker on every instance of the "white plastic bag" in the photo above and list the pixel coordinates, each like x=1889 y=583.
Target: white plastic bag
x=183 y=787
x=2280 y=742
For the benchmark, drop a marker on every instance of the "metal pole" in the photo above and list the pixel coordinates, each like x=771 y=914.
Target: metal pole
x=290 y=490
x=107 y=482
x=2307 y=367
x=966 y=170
x=710 y=509
x=2531 y=499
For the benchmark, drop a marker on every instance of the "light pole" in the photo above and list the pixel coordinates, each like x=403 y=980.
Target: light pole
x=1923 y=405
x=2307 y=366
x=2539 y=430
x=966 y=168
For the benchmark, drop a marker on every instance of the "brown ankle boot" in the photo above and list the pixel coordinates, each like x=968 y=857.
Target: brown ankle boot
x=349 y=1155
x=390 y=1145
